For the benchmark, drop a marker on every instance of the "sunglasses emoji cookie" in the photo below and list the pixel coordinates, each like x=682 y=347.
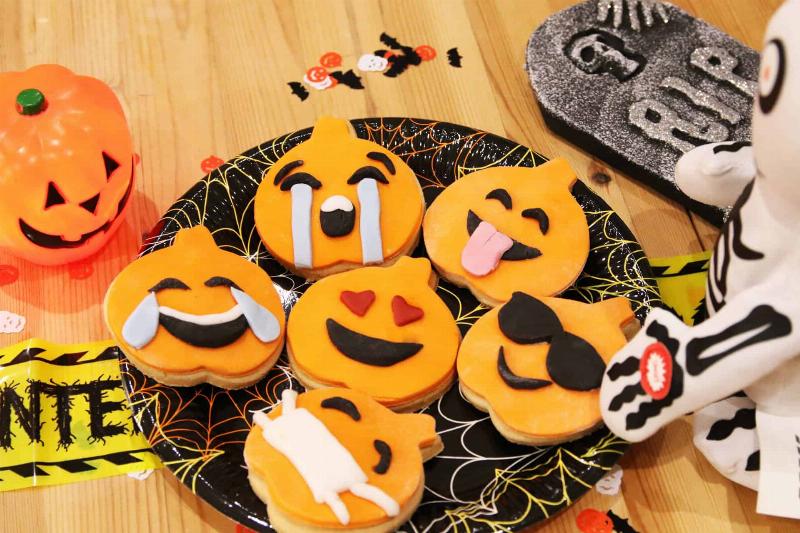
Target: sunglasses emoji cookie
x=536 y=364
x=334 y=459
x=380 y=330
x=507 y=229
x=337 y=202
x=193 y=313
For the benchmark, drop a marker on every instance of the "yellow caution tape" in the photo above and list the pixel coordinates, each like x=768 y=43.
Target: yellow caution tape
x=64 y=416
x=682 y=282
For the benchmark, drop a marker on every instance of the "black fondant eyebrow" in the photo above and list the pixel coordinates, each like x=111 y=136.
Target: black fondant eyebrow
x=514 y=381
x=218 y=281
x=169 y=283
x=382 y=158
x=526 y=320
x=538 y=214
x=342 y=404
x=385 y=453
x=300 y=178
x=288 y=167
x=502 y=196
x=365 y=173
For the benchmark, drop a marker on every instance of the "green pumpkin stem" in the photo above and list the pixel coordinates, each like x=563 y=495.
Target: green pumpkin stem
x=31 y=102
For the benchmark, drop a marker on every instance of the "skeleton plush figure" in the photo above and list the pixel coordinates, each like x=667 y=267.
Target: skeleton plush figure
x=751 y=341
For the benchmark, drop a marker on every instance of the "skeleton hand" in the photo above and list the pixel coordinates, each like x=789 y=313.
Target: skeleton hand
x=618 y=8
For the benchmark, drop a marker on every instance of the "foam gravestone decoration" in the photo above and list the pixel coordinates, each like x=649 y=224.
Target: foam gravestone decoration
x=507 y=229
x=193 y=313
x=638 y=92
x=334 y=459
x=66 y=164
x=741 y=367
x=336 y=202
x=381 y=330
x=536 y=365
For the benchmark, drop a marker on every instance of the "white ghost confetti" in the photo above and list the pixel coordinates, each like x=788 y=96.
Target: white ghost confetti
x=610 y=484
x=11 y=322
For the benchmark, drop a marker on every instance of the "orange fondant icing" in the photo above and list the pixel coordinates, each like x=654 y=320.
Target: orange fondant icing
x=405 y=434
x=564 y=247
x=315 y=354
x=332 y=155
x=193 y=259
x=552 y=411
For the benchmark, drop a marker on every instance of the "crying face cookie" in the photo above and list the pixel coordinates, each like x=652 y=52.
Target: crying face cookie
x=193 y=313
x=336 y=202
x=536 y=364
x=334 y=459
x=506 y=229
x=380 y=330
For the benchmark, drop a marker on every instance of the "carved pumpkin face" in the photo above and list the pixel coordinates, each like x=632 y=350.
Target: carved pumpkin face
x=381 y=330
x=536 y=365
x=192 y=312
x=347 y=444
x=506 y=229
x=336 y=202
x=66 y=164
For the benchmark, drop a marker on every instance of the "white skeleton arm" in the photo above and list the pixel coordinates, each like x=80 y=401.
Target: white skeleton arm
x=717 y=173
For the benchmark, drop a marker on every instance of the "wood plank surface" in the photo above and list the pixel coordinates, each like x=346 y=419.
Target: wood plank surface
x=209 y=77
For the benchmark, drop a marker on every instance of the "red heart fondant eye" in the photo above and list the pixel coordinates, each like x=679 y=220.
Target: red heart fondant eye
x=405 y=313
x=357 y=302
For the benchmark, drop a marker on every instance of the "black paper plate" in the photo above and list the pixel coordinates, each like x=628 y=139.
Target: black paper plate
x=480 y=482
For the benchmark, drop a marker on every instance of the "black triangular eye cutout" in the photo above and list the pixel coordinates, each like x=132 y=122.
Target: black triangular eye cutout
x=53 y=196
x=111 y=165
x=526 y=320
x=91 y=204
x=574 y=364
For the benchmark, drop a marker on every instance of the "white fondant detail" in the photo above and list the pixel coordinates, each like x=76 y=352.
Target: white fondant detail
x=262 y=322
x=370 y=222
x=142 y=324
x=210 y=319
x=327 y=467
x=372 y=63
x=336 y=202
x=301 y=225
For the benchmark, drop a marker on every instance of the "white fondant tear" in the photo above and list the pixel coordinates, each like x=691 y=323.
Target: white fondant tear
x=335 y=202
x=262 y=322
x=370 y=222
x=142 y=324
x=301 y=224
x=326 y=466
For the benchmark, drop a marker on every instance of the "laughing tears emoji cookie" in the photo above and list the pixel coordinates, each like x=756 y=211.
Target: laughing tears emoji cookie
x=506 y=229
x=193 y=313
x=334 y=459
x=536 y=365
x=380 y=330
x=336 y=202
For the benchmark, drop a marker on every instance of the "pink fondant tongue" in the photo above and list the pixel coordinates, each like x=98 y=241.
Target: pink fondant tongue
x=484 y=249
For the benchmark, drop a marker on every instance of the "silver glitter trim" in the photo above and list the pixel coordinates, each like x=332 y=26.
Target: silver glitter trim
x=702 y=99
x=660 y=122
x=719 y=64
x=617 y=8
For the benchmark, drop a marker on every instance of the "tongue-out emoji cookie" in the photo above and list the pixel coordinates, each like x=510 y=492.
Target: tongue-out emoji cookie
x=506 y=229
x=380 y=330
x=334 y=459
x=193 y=313
x=336 y=202
x=536 y=364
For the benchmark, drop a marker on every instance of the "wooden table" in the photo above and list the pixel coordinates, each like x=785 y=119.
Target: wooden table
x=209 y=77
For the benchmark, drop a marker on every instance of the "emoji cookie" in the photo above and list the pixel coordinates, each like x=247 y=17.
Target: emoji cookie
x=336 y=202
x=506 y=229
x=535 y=365
x=380 y=330
x=193 y=313
x=334 y=459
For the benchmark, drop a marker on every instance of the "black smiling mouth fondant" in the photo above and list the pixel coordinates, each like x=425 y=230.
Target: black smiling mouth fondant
x=205 y=336
x=369 y=350
x=517 y=252
x=48 y=240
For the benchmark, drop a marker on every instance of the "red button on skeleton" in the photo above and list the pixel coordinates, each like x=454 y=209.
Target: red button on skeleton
x=655 y=368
